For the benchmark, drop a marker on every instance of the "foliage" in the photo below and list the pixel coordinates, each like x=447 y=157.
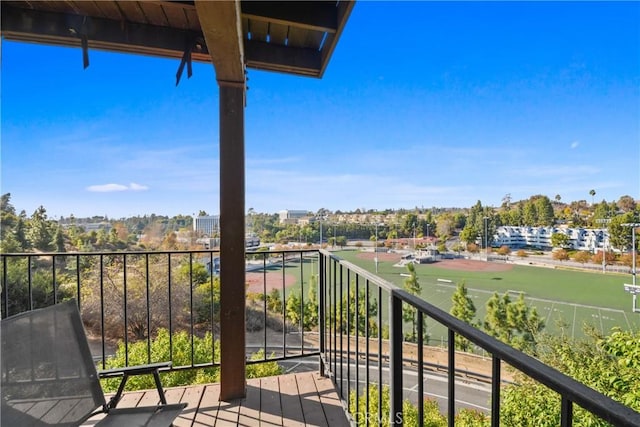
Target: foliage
x=103 y=292
x=366 y=314
x=607 y=364
x=582 y=256
x=432 y=417
x=559 y=240
x=514 y=323
x=560 y=255
x=504 y=250
x=304 y=312
x=464 y=309
x=621 y=236
x=274 y=301
x=204 y=351
x=409 y=313
x=609 y=257
x=18 y=273
x=206 y=305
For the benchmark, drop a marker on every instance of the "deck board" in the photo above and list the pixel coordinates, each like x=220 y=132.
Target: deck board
x=208 y=411
x=250 y=409
x=291 y=406
x=311 y=404
x=270 y=405
x=302 y=399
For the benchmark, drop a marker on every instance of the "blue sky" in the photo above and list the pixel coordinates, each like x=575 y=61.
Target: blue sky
x=423 y=104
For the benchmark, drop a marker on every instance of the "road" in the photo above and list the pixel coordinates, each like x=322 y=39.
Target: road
x=469 y=394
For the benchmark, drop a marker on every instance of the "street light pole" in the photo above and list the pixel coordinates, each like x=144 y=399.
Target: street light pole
x=375 y=249
x=414 y=237
x=486 y=238
x=604 y=252
x=633 y=226
x=427 y=235
x=633 y=289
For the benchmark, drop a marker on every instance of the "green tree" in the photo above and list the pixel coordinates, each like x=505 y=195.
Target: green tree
x=366 y=314
x=40 y=230
x=559 y=240
x=514 y=323
x=619 y=235
x=464 y=309
x=626 y=204
x=607 y=364
x=544 y=210
x=409 y=314
x=530 y=214
x=58 y=240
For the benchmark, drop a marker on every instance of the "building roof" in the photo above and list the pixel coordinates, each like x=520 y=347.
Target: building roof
x=283 y=36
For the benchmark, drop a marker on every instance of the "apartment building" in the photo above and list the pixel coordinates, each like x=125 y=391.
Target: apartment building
x=583 y=239
x=206 y=225
x=292 y=216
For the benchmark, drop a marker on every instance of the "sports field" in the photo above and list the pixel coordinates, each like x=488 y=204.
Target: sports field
x=567 y=299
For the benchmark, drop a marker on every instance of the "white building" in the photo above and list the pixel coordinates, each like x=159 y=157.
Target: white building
x=291 y=216
x=207 y=225
x=583 y=239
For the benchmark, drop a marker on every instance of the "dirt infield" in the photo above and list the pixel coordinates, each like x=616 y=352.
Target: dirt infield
x=472 y=265
x=255 y=281
x=449 y=264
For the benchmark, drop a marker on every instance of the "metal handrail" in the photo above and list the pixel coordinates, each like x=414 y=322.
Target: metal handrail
x=340 y=318
x=50 y=264
x=570 y=390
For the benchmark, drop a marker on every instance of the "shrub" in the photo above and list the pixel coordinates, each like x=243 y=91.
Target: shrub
x=204 y=351
x=432 y=416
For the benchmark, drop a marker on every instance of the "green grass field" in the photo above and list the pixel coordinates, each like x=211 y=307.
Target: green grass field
x=567 y=299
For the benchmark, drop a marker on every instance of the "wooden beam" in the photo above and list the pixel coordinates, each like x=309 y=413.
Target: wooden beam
x=63 y=29
x=344 y=10
x=232 y=244
x=272 y=57
x=310 y=15
x=222 y=28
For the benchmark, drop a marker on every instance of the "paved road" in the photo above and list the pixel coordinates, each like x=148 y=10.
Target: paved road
x=469 y=394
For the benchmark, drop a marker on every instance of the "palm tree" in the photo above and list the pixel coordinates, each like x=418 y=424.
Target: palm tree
x=592 y=193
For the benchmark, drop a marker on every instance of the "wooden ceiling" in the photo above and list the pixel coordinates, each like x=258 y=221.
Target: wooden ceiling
x=284 y=36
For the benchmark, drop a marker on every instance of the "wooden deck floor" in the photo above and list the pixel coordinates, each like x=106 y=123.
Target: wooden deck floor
x=301 y=399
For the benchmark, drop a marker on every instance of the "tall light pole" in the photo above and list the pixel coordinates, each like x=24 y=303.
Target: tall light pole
x=633 y=226
x=334 y=235
x=375 y=249
x=486 y=218
x=414 y=236
x=427 y=234
x=604 y=252
x=633 y=289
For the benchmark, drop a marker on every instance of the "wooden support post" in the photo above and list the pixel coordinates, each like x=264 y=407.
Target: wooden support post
x=232 y=244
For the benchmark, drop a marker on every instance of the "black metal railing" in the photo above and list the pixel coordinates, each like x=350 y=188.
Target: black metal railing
x=360 y=355
x=358 y=332
x=128 y=297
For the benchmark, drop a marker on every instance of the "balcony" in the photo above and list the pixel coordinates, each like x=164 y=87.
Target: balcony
x=304 y=308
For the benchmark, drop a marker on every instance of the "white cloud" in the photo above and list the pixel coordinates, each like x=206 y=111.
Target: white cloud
x=574 y=144
x=109 y=188
x=137 y=187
